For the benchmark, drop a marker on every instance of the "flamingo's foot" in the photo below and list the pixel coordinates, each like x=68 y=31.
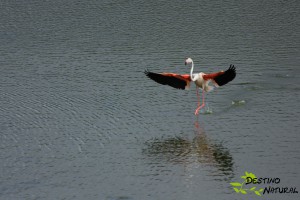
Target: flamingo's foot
x=198 y=109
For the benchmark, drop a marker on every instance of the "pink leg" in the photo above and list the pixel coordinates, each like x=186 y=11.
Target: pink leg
x=203 y=104
x=198 y=96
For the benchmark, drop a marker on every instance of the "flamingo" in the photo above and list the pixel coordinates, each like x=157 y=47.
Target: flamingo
x=202 y=80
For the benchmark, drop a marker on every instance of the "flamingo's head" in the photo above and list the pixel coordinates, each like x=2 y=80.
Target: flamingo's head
x=188 y=61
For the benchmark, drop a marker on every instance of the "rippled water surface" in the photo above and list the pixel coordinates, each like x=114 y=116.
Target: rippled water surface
x=79 y=119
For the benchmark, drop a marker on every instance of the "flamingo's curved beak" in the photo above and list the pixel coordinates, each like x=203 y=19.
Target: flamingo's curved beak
x=185 y=63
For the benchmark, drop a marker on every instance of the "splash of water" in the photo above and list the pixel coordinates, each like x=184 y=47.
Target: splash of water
x=238 y=102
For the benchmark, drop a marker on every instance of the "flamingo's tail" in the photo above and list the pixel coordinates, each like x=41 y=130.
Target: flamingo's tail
x=208 y=87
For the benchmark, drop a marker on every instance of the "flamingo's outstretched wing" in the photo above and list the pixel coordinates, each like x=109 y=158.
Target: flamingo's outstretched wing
x=221 y=78
x=179 y=81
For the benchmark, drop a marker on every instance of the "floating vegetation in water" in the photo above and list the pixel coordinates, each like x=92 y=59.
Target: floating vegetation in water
x=238 y=102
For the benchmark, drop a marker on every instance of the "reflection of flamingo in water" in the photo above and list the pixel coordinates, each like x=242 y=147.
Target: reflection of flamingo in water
x=200 y=149
x=201 y=80
x=214 y=153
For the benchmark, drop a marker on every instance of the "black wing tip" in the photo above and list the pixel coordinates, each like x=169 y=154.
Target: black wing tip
x=232 y=68
x=228 y=76
x=166 y=80
x=147 y=72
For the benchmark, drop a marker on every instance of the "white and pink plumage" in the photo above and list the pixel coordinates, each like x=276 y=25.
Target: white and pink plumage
x=202 y=80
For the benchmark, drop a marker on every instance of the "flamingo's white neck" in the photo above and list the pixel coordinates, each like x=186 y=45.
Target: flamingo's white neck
x=191 y=73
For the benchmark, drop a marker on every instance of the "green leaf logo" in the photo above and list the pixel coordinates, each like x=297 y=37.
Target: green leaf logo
x=236 y=184
x=239 y=187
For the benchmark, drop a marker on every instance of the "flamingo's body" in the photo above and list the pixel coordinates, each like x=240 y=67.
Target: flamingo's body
x=202 y=80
